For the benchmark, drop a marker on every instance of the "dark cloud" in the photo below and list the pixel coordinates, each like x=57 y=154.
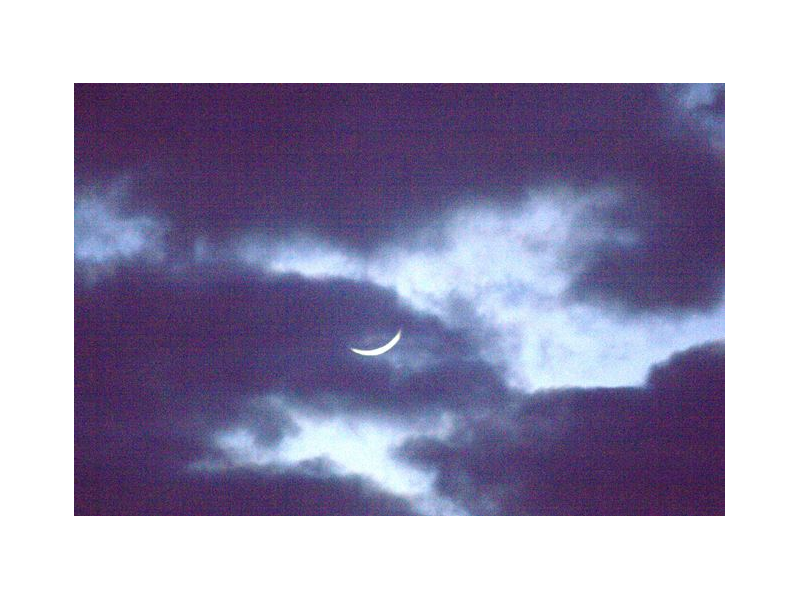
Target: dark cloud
x=176 y=341
x=658 y=449
x=209 y=336
x=164 y=360
x=111 y=489
x=678 y=213
x=358 y=163
x=132 y=460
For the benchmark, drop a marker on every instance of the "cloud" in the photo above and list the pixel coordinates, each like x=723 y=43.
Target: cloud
x=348 y=444
x=358 y=165
x=701 y=108
x=675 y=203
x=216 y=332
x=186 y=356
x=507 y=274
x=107 y=234
x=267 y=460
x=540 y=246
x=656 y=449
x=303 y=490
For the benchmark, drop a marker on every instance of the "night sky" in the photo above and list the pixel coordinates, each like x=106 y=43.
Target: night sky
x=553 y=254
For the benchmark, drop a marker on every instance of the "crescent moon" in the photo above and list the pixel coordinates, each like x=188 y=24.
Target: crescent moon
x=380 y=350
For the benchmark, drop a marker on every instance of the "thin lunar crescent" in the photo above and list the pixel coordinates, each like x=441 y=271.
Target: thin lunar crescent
x=380 y=350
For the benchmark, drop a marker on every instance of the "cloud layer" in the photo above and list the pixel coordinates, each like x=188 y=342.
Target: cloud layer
x=508 y=274
x=167 y=362
x=361 y=164
x=654 y=450
x=542 y=248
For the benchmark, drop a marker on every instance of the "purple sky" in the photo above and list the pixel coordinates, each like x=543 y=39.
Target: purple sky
x=554 y=255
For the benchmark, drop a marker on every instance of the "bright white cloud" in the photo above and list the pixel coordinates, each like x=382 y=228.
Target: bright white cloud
x=352 y=445
x=512 y=266
x=302 y=254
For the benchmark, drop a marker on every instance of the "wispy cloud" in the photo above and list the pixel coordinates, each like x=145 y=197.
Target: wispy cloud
x=106 y=234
